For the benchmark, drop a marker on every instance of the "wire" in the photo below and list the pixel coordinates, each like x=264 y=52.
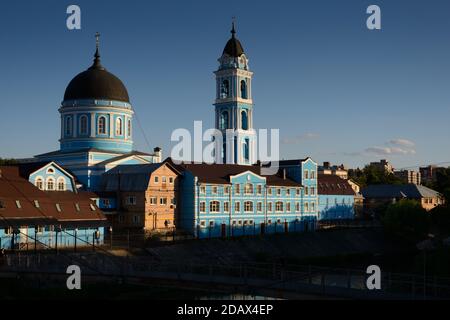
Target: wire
x=142 y=131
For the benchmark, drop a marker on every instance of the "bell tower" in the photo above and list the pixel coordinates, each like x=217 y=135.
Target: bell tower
x=234 y=106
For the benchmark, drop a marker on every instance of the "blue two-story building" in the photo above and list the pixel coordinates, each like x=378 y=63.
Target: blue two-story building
x=222 y=200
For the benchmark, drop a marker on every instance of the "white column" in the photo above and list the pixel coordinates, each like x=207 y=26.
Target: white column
x=62 y=126
x=93 y=125
x=74 y=126
x=125 y=127
x=111 y=125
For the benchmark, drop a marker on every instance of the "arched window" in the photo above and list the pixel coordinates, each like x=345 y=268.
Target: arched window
x=243 y=89
x=102 y=125
x=248 y=189
x=244 y=120
x=214 y=206
x=119 y=127
x=68 y=126
x=248 y=206
x=39 y=183
x=129 y=128
x=225 y=89
x=50 y=184
x=83 y=125
x=246 y=149
x=50 y=171
x=61 y=184
x=223 y=120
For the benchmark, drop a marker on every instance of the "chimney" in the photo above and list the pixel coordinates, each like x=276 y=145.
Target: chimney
x=326 y=164
x=158 y=154
x=284 y=173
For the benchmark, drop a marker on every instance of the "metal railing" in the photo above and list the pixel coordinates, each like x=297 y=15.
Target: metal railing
x=290 y=278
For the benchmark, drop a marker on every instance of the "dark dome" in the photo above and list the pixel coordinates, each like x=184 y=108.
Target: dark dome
x=96 y=83
x=233 y=47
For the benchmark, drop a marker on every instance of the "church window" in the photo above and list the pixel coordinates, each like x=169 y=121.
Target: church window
x=225 y=89
x=243 y=89
x=246 y=149
x=223 y=120
x=102 y=125
x=244 y=120
x=83 y=125
x=68 y=126
x=129 y=128
x=119 y=127
x=50 y=184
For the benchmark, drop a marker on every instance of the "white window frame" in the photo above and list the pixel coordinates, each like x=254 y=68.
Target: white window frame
x=200 y=209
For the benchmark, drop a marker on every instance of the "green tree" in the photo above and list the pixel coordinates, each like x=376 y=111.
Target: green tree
x=7 y=162
x=407 y=219
x=440 y=218
x=373 y=175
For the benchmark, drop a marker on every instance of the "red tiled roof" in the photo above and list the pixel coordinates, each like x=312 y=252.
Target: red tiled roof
x=220 y=173
x=15 y=188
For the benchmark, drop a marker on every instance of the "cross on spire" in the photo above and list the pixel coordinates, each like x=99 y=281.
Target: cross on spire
x=97 y=41
x=97 y=64
x=233 y=31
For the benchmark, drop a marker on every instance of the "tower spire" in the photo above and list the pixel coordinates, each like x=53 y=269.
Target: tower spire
x=233 y=31
x=97 y=64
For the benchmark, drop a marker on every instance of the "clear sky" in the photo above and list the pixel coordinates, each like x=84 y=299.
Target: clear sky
x=337 y=91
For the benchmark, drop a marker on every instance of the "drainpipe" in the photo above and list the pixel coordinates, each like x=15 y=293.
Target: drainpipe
x=230 y=206
x=196 y=208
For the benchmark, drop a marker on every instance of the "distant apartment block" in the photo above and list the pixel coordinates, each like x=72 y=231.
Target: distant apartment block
x=429 y=173
x=337 y=170
x=383 y=165
x=409 y=176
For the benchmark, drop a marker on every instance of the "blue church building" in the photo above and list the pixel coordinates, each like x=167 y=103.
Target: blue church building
x=96 y=126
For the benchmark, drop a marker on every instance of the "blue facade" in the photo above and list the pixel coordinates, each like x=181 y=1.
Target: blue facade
x=46 y=237
x=247 y=205
x=334 y=207
x=305 y=173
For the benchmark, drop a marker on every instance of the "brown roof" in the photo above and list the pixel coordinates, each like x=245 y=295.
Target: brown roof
x=220 y=173
x=14 y=188
x=333 y=185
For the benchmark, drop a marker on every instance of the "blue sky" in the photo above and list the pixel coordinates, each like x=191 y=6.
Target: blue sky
x=337 y=91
